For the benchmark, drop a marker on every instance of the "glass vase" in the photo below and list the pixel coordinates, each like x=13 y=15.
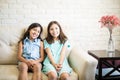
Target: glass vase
x=111 y=47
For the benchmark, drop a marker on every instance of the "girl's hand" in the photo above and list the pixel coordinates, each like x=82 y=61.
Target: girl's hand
x=58 y=67
x=29 y=63
x=55 y=65
x=32 y=63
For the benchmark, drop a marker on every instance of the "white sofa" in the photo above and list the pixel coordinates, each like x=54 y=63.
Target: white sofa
x=83 y=65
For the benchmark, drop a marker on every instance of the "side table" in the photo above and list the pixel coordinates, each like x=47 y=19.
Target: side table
x=113 y=70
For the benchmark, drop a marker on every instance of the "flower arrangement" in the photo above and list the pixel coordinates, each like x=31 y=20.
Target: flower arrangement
x=109 y=21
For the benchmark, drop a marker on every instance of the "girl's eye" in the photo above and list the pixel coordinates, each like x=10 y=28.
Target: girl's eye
x=51 y=29
x=56 y=28
x=36 y=30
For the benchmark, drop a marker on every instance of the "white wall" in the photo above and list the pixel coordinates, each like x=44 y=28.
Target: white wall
x=79 y=18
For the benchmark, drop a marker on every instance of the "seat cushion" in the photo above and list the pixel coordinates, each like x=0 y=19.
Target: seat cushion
x=10 y=72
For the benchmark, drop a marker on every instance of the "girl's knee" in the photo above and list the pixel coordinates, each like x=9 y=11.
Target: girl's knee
x=52 y=76
x=64 y=76
x=23 y=66
x=37 y=67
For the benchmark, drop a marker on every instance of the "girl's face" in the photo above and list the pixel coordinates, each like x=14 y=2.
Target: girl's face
x=54 y=30
x=34 y=33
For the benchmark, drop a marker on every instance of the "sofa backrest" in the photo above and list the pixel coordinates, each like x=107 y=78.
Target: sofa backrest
x=9 y=37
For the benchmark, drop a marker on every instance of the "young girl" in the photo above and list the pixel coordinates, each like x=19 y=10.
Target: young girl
x=55 y=44
x=31 y=53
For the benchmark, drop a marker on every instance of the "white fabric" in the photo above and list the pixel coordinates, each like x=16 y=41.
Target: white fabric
x=83 y=63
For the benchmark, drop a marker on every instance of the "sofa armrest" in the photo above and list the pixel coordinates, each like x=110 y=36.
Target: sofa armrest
x=82 y=63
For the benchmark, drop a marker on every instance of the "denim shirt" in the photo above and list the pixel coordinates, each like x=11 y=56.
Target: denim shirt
x=31 y=49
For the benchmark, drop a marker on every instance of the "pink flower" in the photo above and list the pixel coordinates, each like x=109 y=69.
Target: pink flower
x=109 y=21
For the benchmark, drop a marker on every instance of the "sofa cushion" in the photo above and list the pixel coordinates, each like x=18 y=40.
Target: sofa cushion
x=9 y=37
x=8 y=54
x=8 y=72
x=12 y=73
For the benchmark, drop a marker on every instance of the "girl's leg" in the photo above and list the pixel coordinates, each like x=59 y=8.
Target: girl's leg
x=23 y=71
x=52 y=75
x=64 y=76
x=37 y=72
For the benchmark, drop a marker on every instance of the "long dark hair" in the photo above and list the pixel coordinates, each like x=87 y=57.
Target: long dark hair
x=62 y=37
x=27 y=34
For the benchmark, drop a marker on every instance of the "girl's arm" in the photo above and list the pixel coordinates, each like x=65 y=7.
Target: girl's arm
x=49 y=53
x=62 y=55
x=41 y=52
x=20 y=49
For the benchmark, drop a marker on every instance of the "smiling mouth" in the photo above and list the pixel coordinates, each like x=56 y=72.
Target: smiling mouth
x=34 y=35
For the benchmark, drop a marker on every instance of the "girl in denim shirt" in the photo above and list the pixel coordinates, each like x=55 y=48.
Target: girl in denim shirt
x=31 y=53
